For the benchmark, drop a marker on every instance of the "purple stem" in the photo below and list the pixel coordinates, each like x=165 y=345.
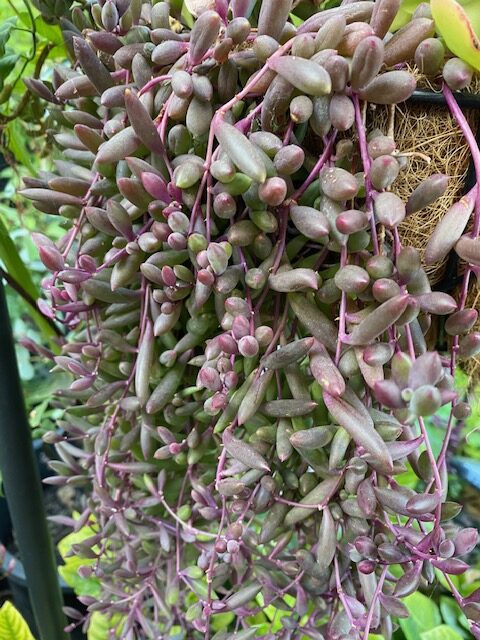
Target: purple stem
x=151 y=83
x=324 y=158
x=362 y=141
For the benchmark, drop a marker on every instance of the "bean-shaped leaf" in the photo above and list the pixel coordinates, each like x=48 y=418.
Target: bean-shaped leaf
x=293 y=280
x=94 y=69
x=314 y=320
x=325 y=371
x=240 y=151
x=165 y=389
x=142 y=123
x=449 y=230
x=254 y=397
x=360 y=429
x=305 y=75
x=319 y=496
x=244 y=452
x=379 y=320
x=288 y=354
x=144 y=364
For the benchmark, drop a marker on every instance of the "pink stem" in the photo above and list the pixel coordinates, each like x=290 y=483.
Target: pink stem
x=362 y=141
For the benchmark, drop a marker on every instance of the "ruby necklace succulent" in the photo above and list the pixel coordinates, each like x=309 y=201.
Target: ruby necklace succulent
x=247 y=332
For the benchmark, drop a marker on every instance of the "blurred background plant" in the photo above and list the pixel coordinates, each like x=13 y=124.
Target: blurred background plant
x=29 y=46
x=31 y=42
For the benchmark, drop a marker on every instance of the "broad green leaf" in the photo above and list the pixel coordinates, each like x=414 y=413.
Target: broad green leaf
x=456 y=29
x=5 y=31
x=7 y=64
x=221 y=621
x=404 y=14
x=15 y=267
x=51 y=33
x=452 y=614
x=12 y=624
x=443 y=632
x=424 y=616
x=69 y=570
x=17 y=144
x=101 y=625
x=455 y=580
x=13 y=263
x=296 y=20
x=187 y=16
x=81 y=586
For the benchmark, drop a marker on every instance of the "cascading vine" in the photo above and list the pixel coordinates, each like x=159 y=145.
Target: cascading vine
x=247 y=332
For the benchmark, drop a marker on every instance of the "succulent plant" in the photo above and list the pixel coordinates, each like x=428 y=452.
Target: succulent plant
x=247 y=333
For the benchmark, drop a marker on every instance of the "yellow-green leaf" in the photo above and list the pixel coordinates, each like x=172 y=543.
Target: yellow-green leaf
x=424 y=616
x=12 y=624
x=443 y=632
x=456 y=29
x=101 y=625
x=405 y=12
x=17 y=144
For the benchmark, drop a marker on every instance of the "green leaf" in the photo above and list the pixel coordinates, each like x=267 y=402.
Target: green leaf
x=452 y=614
x=18 y=271
x=404 y=14
x=456 y=28
x=13 y=263
x=51 y=33
x=443 y=632
x=5 y=31
x=101 y=625
x=424 y=616
x=69 y=570
x=7 y=63
x=297 y=22
x=221 y=621
x=12 y=625
x=187 y=16
x=17 y=144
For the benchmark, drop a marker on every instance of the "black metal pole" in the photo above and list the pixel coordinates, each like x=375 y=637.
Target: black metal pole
x=21 y=480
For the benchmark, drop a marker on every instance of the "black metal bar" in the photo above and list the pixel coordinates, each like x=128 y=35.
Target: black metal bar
x=465 y=100
x=24 y=494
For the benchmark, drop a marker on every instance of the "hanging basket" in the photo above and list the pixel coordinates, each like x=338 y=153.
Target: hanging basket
x=429 y=137
x=431 y=140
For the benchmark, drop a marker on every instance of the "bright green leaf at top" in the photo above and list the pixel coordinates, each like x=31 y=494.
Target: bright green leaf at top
x=296 y=21
x=457 y=30
x=407 y=8
x=424 y=616
x=443 y=632
x=404 y=14
x=187 y=16
x=12 y=625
